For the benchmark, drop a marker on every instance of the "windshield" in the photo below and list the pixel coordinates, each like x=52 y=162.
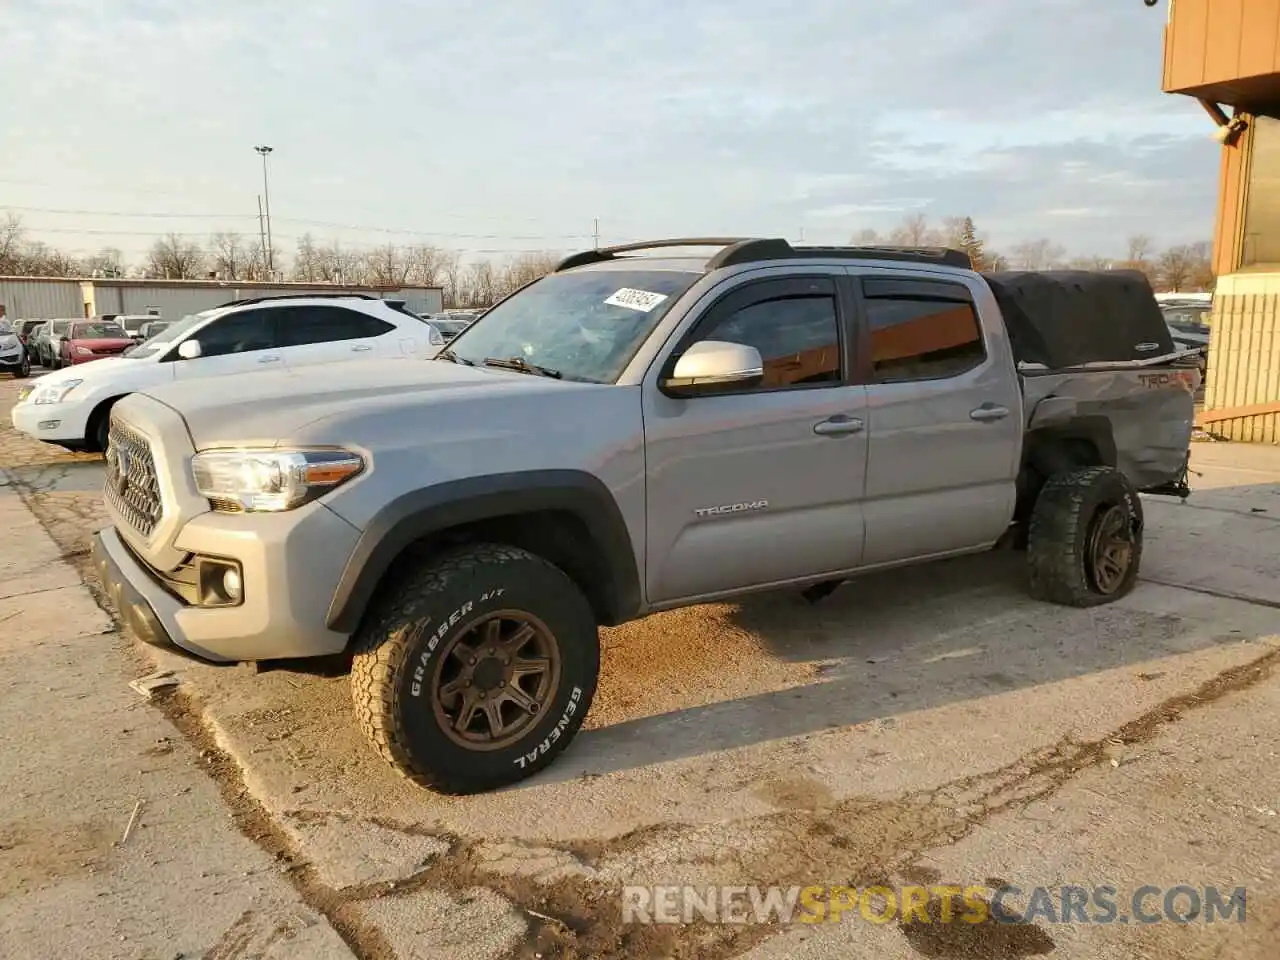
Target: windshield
x=98 y=331
x=585 y=325
x=1188 y=319
x=160 y=340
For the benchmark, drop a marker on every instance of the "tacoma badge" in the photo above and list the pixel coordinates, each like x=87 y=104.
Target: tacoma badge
x=732 y=508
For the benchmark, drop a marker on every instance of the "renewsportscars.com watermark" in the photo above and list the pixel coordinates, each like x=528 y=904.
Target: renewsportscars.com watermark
x=938 y=903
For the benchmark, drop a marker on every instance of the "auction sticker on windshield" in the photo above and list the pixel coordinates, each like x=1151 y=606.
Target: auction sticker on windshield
x=641 y=300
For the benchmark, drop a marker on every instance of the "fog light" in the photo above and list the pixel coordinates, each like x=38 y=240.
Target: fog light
x=49 y=424
x=221 y=582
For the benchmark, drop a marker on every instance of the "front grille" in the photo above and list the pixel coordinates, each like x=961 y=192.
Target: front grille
x=132 y=488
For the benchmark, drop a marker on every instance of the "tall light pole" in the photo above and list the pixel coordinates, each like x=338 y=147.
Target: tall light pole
x=266 y=196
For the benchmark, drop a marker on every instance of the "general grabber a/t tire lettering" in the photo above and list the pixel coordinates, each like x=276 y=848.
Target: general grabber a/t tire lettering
x=476 y=668
x=1085 y=541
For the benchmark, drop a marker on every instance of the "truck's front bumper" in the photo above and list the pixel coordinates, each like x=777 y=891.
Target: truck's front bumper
x=146 y=609
x=287 y=572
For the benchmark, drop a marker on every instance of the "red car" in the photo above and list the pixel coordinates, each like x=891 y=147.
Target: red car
x=92 y=340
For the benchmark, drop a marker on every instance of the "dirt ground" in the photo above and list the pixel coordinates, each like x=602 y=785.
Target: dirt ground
x=910 y=726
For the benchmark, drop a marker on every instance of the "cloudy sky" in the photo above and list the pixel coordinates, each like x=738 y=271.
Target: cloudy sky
x=514 y=124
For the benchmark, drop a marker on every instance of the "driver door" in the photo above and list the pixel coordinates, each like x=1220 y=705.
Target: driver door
x=762 y=485
x=236 y=343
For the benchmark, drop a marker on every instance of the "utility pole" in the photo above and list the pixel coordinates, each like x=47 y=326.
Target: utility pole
x=597 y=233
x=262 y=234
x=266 y=197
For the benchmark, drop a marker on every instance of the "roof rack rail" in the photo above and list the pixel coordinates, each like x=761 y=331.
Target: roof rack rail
x=608 y=253
x=738 y=250
x=299 y=296
x=944 y=256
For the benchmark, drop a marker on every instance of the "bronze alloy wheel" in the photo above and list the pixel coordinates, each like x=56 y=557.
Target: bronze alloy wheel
x=495 y=679
x=1110 y=549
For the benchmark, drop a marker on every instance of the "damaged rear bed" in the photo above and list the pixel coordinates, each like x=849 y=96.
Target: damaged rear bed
x=1096 y=359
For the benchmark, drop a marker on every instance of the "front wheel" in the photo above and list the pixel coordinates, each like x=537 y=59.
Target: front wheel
x=24 y=368
x=1085 y=541
x=475 y=670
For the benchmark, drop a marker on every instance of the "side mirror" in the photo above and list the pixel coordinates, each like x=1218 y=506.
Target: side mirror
x=189 y=349
x=714 y=364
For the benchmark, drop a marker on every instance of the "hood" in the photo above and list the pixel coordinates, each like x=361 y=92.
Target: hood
x=265 y=407
x=103 y=343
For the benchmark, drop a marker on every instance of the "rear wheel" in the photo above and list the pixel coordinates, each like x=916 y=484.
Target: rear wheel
x=476 y=669
x=1085 y=539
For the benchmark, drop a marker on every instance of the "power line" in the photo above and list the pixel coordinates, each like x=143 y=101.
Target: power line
x=140 y=216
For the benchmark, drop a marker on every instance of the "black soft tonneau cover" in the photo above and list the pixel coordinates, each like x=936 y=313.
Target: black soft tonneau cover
x=1063 y=318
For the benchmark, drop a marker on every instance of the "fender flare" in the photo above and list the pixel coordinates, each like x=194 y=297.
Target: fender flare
x=440 y=507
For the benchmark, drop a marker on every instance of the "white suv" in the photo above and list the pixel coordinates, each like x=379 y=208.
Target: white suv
x=70 y=407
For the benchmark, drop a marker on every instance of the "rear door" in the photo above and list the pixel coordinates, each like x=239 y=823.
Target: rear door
x=325 y=333
x=944 y=431
x=238 y=342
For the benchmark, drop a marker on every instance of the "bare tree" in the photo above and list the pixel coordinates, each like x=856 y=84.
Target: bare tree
x=1175 y=268
x=335 y=264
x=481 y=284
x=1042 y=254
x=1202 y=273
x=306 y=259
x=107 y=262
x=37 y=259
x=1140 y=247
x=426 y=265
x=230 y=256
x=524 y=268
x=914 y=231
x=865 y=237
x=176 y=258
x=387 y=266
x=451 y=278
x=11 y=240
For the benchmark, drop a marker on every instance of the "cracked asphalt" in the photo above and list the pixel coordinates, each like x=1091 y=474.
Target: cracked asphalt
x=933 y=726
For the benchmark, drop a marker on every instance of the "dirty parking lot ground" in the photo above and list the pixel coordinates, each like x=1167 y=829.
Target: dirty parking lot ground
x=929 y=724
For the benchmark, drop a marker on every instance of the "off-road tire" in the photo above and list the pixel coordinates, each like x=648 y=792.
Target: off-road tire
x=1062 y=523
x=395 y=659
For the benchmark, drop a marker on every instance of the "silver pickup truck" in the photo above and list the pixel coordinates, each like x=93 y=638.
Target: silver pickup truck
x=647 y=427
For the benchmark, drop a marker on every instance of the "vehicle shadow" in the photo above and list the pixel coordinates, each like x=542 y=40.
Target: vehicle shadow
x=927 y=636
x=82 y=475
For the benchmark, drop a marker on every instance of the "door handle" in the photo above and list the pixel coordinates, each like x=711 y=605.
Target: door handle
x=360 y=348
x=268 y=359
x=988 y=412
x=837 y=426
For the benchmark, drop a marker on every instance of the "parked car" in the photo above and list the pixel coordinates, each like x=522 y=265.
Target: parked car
x=51 y=345
x=26 y=330
x=132 y=322
x=89 y=340
x=448 y=326
x=13 y=352
x=150 y=329
x=71 y=408
x=1188 y=325
x=38 y=342
x=631 y=434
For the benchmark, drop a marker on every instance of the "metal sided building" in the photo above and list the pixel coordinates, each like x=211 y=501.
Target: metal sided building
x=1226 y=54
x=31 y=298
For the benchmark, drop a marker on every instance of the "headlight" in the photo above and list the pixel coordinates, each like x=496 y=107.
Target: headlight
x=9 y=340
x=270 y=480
x=55 y=392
